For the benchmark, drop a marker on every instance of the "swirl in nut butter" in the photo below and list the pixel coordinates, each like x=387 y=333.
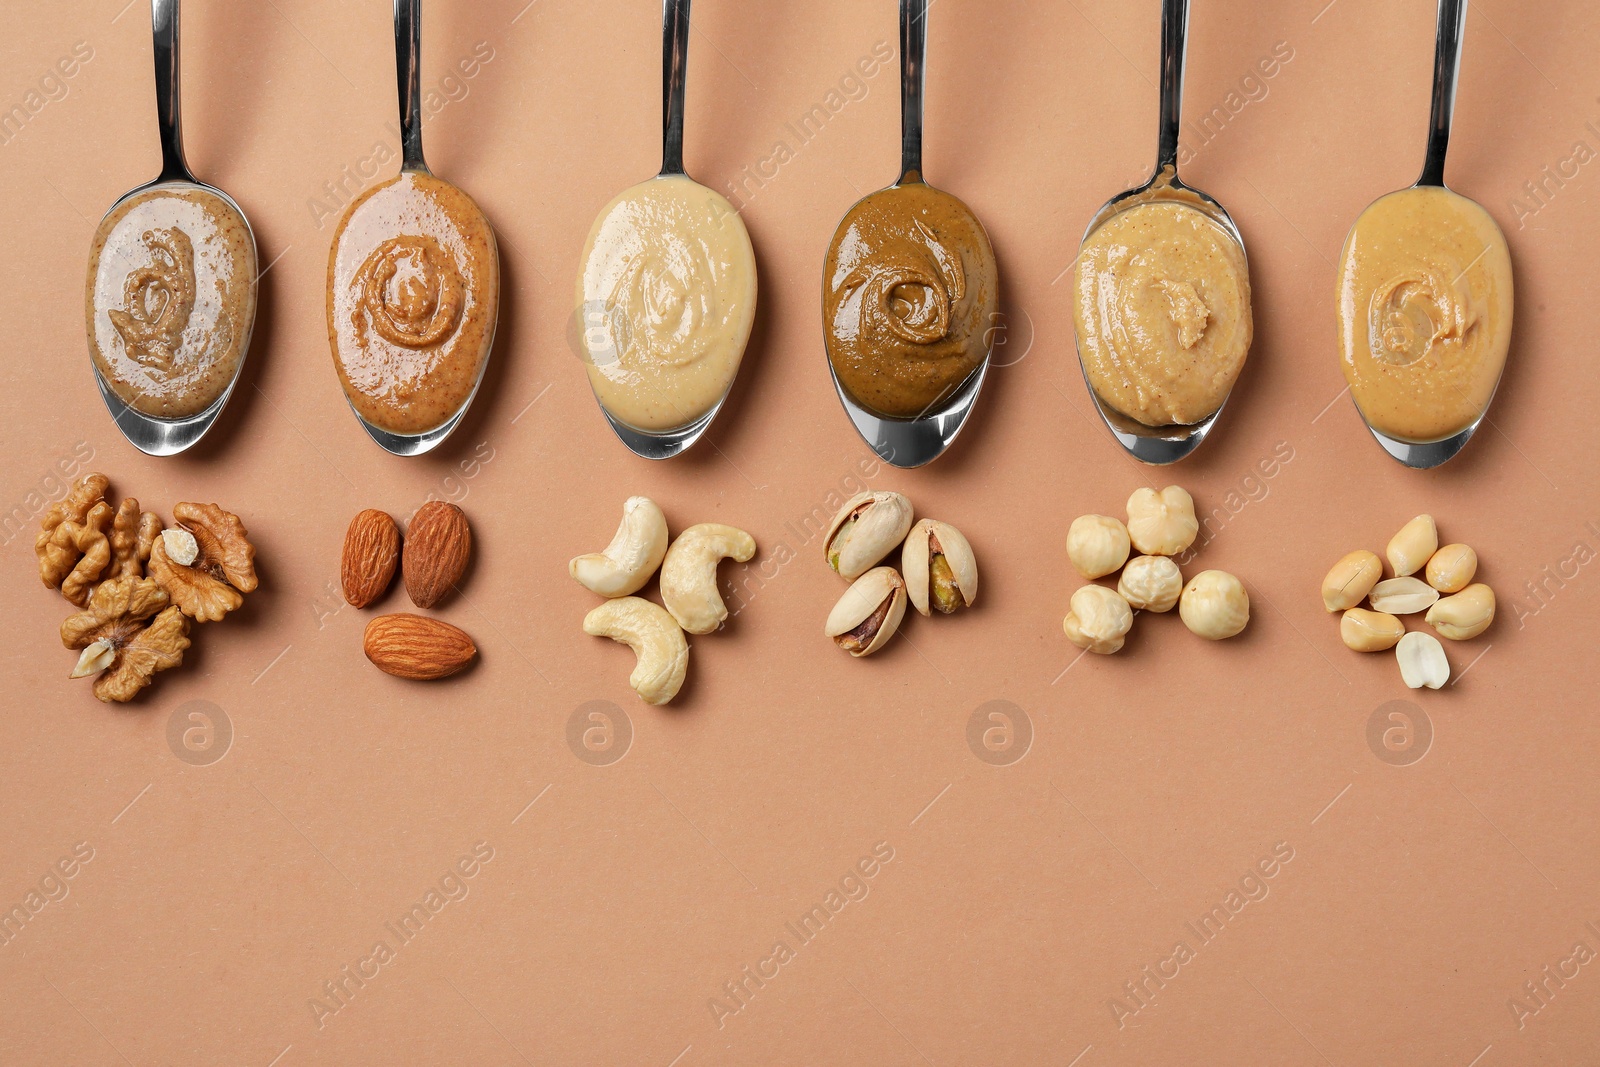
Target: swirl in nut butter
x=1425 y=301
x=910 y=290
x=170 y=298
x=666 y=299
x=413 y=291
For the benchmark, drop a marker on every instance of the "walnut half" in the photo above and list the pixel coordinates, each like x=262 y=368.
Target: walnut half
x=74 y=545
x=133 y=535
x=120 y=640
x=223 y=567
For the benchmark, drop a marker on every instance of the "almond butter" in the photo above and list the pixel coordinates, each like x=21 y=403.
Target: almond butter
x=371 y=551
x=438 y=545
x=415 y=646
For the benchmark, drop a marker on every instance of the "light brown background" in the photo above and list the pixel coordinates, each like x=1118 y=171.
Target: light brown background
x=1020 y=898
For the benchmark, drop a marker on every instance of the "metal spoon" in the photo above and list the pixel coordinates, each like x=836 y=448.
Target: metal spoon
x=664 y=444
x=1446 y=70
x=148 y=433
x=408 y=67
x=913 y=442
x=1163 y=444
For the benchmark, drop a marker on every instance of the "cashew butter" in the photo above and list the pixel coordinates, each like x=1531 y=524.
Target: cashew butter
x=1162 y=310
x=1424 y=300
x=910 y=292
x=666 y=298
x=171 y=299
x=413 y=293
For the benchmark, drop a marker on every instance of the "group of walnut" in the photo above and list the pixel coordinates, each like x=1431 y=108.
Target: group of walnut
x=139 y=584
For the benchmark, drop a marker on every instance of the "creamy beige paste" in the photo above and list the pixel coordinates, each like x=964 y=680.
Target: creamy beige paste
x=666 y=298
x=1425 y=300
x=1162 y=312
x=171 y=299
x=413 y=293
x=910 y=291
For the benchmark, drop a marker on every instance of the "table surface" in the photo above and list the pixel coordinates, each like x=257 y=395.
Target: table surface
x=992 y=890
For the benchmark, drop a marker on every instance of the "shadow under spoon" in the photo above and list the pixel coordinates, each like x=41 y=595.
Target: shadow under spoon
x=1160 y=445
x=153 y=434
x=912 y=442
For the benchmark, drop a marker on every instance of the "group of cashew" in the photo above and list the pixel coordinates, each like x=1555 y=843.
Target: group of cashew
x=941 y=573
x=688 y=589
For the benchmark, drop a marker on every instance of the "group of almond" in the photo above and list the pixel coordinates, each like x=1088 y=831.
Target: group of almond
x=688 y=585
x=1457 y=608
x=438 y=545
x=131 y=624
x=940 y=571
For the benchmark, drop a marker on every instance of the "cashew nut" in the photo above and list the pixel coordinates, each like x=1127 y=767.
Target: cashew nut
x=689 y=574
x=662 y=651
x=633 y=554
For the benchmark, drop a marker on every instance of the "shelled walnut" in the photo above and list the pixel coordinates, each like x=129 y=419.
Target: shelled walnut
x=206 y=562
x=119 y=639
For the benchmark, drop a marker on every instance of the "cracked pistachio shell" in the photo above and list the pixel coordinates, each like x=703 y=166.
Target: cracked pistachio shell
x=867 y=528
x=869 y=612
x=928 y=539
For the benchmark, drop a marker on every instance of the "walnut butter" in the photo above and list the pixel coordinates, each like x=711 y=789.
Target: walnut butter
x=909 y=293
x=413 y=293
x=1424 y=299
x=171 y=299
x=1162 y=310
x=666 y=298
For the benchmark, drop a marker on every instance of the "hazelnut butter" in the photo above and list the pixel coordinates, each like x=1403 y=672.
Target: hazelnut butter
x=666 y=298
x=910 y=290
x=171 y=299
x=413 y=292
x=1162 y=310
x=1424 y=301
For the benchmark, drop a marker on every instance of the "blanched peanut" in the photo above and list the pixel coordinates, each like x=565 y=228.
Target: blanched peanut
x=1451 y=569
x=1465 y=615
x=1351 y=579
x=1412 y=547
x=1422 y=661
x=1370 y=631
x=1403 y=596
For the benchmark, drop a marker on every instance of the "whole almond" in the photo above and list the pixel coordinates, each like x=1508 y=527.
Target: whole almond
x=438 y=545
x=371 y=550
x=415 y=646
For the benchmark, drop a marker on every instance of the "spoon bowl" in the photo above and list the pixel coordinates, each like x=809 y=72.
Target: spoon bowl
x=913 y=440
x=1160 y=445
x=154 y=434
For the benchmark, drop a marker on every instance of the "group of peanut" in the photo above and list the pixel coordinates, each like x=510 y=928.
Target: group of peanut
x=1457 y=608
x=438 y=545
x=131 y=625
x=940 y=573
x=1161 y=525
x=688 y=589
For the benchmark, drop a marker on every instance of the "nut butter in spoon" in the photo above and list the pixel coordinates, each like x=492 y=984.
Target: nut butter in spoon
x=170 y=298
x=413 y=286
x=666 y=291
x=909 y=293
x=1425 y=297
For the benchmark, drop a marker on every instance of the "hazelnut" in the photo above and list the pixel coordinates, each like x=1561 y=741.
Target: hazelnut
x=1099 y=620
x=1214 y=605
x=1162 y=524
x=1151 y=583
x=1097 y=545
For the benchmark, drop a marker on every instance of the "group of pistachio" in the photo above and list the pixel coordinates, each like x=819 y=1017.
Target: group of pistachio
x=1160 y=525
x=940 y=571
x=1457 y=608
x=688 y=589
x=132 y=624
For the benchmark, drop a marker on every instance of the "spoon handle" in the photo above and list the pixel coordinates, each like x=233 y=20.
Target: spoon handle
x=169 y=117
x=913 y=50
x=408 y=69
x=1174 y=34
x=674 y=67
x=1446 y=70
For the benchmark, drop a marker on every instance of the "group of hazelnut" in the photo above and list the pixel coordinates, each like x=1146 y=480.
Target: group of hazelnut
x=132 y=625
x=1160 y=525
x=438 y=546
x=940 y=571
x=688 y=589
x=1457 y=608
